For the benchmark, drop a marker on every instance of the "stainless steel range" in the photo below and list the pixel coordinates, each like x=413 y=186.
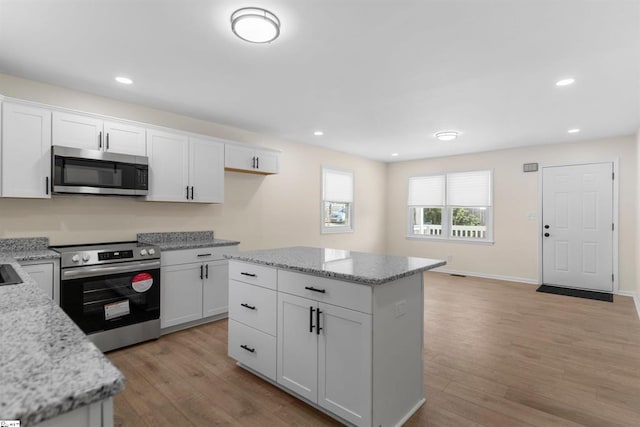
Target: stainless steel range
x=112 y=291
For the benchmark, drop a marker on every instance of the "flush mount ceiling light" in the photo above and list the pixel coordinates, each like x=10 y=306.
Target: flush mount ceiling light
x=124 y=80
x=446 y=136
x=565 y=82
x=318 y=133
x=255 y=25
x=394 y=154
x=576 y=130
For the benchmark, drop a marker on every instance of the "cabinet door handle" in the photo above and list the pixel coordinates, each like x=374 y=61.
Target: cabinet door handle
x=311 y=310
x=192 y=192
x=257 y=162
x=100 y=140
x=46 y=185
x=201 y=272
x=250 y=307
x=253 y=162
x=248 y=274
x=311 y=288
x=206 y=271
x=318 y=328
x=107 y=140
x=249 y=349
x=204 y=255
x=187 y=192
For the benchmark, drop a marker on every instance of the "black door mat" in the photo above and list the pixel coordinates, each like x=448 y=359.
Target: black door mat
x=600 y=296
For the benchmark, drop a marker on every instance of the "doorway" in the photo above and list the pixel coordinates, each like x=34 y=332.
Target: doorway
x=578 y=227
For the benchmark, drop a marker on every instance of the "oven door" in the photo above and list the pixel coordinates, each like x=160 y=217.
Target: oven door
x=99 y=298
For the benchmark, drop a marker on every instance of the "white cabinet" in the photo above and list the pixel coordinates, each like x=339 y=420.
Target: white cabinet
x=43 y=274
x=26 y=151
x=184 y=169
x=92 y=133
x=249 y=159
x=324 y=355
x=194 y=285
x=97 y=414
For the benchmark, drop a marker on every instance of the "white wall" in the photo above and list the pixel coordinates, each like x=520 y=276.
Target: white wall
x=515 y=252
x=637 y=215
x=272 y=211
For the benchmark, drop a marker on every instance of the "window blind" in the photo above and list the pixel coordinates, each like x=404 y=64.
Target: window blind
x=337 y=186
x=469 y=188
x=426 y=190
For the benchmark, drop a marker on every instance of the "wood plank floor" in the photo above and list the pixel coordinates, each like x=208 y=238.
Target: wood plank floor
x=496 y=354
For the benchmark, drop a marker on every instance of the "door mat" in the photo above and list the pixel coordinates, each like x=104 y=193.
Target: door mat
x=600 y=296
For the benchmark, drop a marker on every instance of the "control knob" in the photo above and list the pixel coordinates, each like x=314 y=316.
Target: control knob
x=152 y=251
x=75 y=258
x=86 y=257
x=143 y=252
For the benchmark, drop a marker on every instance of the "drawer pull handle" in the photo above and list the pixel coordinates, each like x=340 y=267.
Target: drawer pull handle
x=318 y=328
x=249 y=349
x=248 y=274
x=250 y=307
x=204 y=254
x=311 y=288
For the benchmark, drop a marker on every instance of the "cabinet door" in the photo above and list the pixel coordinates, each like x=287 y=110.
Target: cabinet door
x=78 y=131
x=241 y=158
x=43 y=275
x=297 y=345
x=215 y=288
x=168 y=166
x=26 y=151
x=180 y=294
x=206 y=170
x=267 y=161
x=344 y=363
x=125 y=138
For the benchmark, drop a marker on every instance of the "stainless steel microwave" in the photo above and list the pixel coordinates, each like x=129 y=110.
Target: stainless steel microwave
x=96 y=172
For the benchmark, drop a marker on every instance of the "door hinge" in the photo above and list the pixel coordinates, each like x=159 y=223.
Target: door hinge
x=613 y=175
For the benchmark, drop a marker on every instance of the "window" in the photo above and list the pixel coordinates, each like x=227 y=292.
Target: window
x=337 y=201
x=454 y=206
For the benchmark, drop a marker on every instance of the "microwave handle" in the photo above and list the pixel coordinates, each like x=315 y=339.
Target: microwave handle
x=93 y=271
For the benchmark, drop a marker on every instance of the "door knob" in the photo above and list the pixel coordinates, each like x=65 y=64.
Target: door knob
x=546 y=226
x=547 y=234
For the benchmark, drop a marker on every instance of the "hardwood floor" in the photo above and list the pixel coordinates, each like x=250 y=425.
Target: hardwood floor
x=496 y=354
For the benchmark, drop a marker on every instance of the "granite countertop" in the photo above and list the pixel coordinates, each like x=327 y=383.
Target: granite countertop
x=27 y=249
x=47 y=365
x=358 y=267
x=171 y=241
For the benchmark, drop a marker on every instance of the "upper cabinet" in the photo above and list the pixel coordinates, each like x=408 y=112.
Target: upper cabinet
x=249 y=159
x=88 y=132
x=26 y=151
x=184 y=169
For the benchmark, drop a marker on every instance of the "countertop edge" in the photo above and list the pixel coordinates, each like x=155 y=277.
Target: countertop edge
x=176 y=246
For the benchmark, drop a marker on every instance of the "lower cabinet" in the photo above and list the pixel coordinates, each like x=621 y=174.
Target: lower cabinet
x=98 y=414
x=194 y=285
x=44 y=273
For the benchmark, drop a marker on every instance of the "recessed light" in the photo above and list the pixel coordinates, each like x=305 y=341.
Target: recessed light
x=318 y=133
x=255 y=25
x=124 y=80
x=446 y=136
x=573 y=130
x=394 y=154
x=565 y=82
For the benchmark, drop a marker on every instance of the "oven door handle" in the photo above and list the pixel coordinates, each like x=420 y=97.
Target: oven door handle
x=81 y=272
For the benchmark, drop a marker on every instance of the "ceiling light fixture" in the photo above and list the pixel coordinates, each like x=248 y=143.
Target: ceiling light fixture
x=565 y=82
x=124 y=80
x=573 y=130
x=446 y=136
x=255 y=25
x=318 y=133
x=394 y=154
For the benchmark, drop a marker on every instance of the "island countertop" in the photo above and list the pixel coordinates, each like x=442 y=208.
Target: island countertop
x=358 y=267
x=47 y=364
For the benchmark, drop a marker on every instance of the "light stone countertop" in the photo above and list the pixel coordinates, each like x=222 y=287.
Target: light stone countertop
x=175 y=240
x=47 y=365
x=27 y=249
x=358 y=267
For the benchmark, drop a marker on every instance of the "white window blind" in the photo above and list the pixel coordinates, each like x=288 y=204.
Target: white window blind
x=469 y=188
x=426 y=190
x=337 y=186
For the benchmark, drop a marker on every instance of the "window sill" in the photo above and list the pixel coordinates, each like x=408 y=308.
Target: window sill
x=336 y=230
x=444 y=239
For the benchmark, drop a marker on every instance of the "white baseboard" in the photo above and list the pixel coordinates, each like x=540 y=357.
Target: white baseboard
x=488 y=276
x=633 y=295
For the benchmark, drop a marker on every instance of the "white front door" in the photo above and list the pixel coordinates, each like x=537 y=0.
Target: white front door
x=577 y=221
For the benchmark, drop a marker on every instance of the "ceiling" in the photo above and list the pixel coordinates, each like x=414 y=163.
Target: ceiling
x=377 y=76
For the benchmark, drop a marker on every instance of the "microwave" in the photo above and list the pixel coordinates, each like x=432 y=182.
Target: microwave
x=96 y=172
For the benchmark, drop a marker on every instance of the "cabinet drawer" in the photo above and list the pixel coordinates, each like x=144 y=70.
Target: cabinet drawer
x=253 y=274
x=254 y=306
x=336 y=292
x=253 y=348
x=186 y=256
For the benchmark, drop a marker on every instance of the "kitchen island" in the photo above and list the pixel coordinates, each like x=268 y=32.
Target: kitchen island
x=341 y=330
